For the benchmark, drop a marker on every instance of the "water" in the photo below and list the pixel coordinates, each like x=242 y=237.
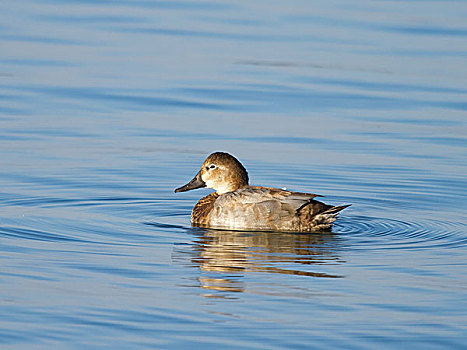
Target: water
x=106 y=107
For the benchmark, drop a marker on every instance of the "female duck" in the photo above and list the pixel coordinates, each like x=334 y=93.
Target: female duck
x=237 y=206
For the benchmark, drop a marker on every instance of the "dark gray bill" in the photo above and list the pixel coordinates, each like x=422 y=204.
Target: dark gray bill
x=197 y=182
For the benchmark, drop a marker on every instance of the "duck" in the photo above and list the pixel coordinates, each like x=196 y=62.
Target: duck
x=235 y=205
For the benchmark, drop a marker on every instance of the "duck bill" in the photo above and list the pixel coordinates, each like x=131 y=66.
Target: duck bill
x=197 y=182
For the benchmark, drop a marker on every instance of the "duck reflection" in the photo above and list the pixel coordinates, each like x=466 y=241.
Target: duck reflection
x=231 y=254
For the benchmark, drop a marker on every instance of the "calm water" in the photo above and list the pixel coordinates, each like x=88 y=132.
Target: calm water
x=106 y=107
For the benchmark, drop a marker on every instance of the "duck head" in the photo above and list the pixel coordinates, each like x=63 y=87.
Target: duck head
x=220 y=171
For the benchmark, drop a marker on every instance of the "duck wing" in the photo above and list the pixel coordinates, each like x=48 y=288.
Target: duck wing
x=261 y=208
x=297 y=200
x=273 y=209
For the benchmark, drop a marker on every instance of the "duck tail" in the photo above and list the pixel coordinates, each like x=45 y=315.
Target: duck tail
x=321 y=220
x=336 y=209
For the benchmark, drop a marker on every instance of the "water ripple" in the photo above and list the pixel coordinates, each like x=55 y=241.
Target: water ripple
x=383 y=233
x=25 y=233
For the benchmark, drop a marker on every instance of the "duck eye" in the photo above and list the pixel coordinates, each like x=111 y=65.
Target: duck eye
x=212 y=166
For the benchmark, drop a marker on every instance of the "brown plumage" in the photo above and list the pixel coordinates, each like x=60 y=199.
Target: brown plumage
x=202 y=209
x=237 y=206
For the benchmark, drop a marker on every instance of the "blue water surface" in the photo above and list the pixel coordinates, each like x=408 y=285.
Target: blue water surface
x=106 y=107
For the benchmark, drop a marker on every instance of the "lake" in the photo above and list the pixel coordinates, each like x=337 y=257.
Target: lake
x=107 y=107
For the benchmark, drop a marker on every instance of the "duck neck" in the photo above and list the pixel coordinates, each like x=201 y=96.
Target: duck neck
x=230 y=186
